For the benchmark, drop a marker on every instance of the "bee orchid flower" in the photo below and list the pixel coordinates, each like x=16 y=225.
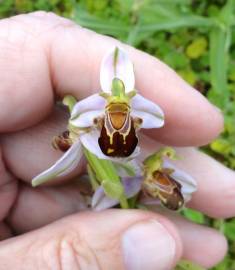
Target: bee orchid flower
x=165 y=182
x=161 y=182
x=169 y=186
x=106 y=123
x=113 y=117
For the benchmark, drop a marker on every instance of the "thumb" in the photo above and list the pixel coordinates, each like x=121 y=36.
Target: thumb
x=113 y=239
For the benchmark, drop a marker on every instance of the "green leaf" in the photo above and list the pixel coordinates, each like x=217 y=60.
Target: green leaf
x=110 y=26
x=107 y=176
x=226 y=16
x=219 y=44
x=178 y=22
x=196 y=48
x=220 y=41
x=229 y=230
x=94 y=182
x=194 y=215
x=176 y=60
x=113 y=189
x=104 y=169
x=221 y=146
x=188 y=75
x=126 y=167
x=187 y=265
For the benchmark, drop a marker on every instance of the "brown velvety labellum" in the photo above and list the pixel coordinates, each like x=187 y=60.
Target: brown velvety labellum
x=118 y=135
x=119 y=145
x=174 y=199
x=166 y=189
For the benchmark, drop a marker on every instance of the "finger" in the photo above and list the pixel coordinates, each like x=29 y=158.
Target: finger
x=63 y=56
x=216 y=185
x=197 y=240
x=34 y=148
x=8 y=190
x=5 y=231
x=53 y=203
x=215 y=195
x=138 y=240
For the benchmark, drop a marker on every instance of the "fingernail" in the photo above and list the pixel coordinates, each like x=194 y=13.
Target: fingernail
x=149 y=246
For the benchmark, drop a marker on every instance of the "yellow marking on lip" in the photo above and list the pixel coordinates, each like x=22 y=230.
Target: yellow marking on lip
x=110 y=138
x=110 y=150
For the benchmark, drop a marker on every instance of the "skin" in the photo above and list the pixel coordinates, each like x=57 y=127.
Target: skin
x=43 y=57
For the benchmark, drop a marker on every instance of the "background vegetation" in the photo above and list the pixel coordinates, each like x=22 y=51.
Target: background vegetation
x=196 y=38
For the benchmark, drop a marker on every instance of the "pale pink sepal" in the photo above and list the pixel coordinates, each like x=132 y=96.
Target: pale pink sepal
x=148 y=120
x=116 y=64
x=188 y=183
x=65 y=165
x=151 y=114
x=91 y=103
x=86 y=119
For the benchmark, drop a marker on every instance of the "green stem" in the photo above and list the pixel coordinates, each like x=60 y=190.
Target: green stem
x=95 y=165
x=108 y=177
x=124 y=203
x=93 y=180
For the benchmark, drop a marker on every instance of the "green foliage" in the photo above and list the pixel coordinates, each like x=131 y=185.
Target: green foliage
x=195 y=216
x=12 y=7
x=187 y=265
x=196 y=38
x=197 y=48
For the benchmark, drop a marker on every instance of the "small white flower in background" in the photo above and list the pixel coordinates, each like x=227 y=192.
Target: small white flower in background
x=106 y=124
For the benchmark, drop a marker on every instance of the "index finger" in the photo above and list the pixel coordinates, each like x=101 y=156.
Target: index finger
x=44 y=52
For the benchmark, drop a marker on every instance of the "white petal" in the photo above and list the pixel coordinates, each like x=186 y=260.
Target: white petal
x=94 y=102
x=149 y=120
x=100 y=201
x=124 y=168
x=66 y=164
x=86 y=119
x=132 y=185
x=140 y=103
x=123 y=70
x=152 y=114
x=132 y=156
x=137 y=166
x=189 y=185
x=90 y=142
x=187 y=197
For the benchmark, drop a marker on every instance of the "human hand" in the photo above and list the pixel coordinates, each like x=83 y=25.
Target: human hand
x=44 y=56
